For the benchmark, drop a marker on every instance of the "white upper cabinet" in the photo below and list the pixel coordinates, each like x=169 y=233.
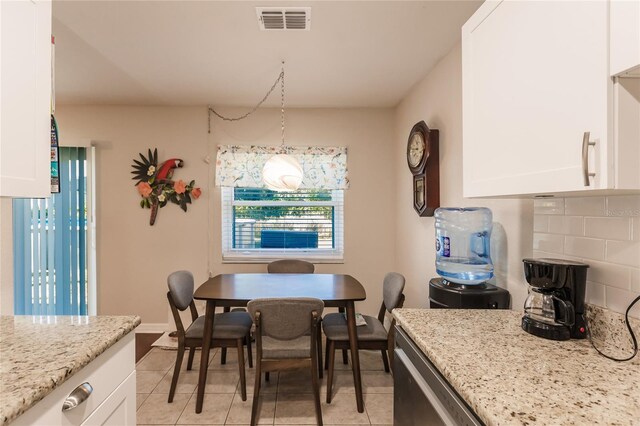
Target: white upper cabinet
x=25 y=98
x=625 y=37
x=538 y=100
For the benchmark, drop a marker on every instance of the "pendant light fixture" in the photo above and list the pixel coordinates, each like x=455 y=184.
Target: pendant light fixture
x=282 y=172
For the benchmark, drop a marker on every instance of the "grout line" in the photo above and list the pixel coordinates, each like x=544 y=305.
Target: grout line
x=185 y=407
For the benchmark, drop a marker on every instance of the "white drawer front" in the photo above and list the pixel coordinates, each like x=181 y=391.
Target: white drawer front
x=104 y=374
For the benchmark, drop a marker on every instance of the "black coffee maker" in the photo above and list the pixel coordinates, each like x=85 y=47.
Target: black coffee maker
x=554 y=308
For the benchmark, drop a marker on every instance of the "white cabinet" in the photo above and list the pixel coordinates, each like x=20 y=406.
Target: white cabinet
x=625 y=37
x=119 y=408
x=25 y=98
x=535 y=80
x=112 y=402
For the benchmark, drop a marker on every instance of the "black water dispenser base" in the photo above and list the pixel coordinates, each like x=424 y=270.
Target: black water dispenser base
x=446 y=294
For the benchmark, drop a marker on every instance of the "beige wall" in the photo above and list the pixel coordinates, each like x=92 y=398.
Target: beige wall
x=135 y=258
x=437 y=100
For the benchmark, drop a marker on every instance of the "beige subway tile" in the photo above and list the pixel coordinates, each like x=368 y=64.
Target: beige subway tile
x=635 y=280
x=548 y=242
x=623 y=205
x=537 y=254
x=624 y=252
x=595 y=294
x=618 y=300
x=608 y=228
x=590 y=248
x=566 y=225
x=635 y=229
x=585 y=206
x=548 y=206
x=540 y=223
x=609 y=274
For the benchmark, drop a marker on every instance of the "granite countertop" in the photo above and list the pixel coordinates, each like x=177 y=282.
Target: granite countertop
x=38 y=353
x=510 y=377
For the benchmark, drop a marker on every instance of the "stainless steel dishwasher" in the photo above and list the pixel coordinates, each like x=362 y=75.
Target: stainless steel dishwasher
x=421 y=396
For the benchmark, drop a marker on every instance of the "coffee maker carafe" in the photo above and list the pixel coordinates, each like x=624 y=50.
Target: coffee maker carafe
x=554 y=308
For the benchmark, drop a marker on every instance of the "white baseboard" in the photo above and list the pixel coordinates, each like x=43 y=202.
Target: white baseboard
x=153 y=328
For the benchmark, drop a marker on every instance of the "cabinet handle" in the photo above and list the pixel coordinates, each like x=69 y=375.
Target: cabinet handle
x=586 y=143
x=77 y=397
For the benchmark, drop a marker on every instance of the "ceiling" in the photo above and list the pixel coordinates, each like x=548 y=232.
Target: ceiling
x=357 y=53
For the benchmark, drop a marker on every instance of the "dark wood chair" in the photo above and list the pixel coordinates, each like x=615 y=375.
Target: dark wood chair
x=229 y=329
x=373 y=335
x=285 y=341
x=290 y=266
x=296 y=266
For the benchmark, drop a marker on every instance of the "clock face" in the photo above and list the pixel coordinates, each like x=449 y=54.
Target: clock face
x=416 y=149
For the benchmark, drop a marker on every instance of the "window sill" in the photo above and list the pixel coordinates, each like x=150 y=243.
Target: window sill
x=268 y=258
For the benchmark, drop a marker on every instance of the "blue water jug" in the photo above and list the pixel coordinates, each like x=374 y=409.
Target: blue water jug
x=462 y=244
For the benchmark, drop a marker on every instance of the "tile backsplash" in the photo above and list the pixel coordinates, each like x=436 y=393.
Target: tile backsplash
x=601 y=231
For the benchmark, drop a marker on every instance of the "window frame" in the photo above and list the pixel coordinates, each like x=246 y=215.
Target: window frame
x=262 y=255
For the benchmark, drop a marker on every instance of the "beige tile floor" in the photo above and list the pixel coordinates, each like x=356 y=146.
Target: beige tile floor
x=286 y=400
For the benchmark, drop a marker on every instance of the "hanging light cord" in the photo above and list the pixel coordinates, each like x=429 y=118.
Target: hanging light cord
x=280 y=79
x=633 y=337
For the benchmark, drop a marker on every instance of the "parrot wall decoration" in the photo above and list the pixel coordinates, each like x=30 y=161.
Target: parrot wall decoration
x=156 y=186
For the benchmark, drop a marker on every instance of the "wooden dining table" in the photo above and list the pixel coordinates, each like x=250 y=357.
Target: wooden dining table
x=228 y=290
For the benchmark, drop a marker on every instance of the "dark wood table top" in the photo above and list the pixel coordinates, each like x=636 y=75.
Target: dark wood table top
x=239 y=289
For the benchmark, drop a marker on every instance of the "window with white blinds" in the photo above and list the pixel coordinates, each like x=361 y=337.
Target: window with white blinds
x=260 y=224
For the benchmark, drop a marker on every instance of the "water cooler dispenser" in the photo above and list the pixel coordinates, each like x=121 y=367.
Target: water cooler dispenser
x=463 y=261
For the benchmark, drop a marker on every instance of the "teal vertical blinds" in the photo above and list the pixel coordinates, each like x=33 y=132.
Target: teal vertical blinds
x=49 y=240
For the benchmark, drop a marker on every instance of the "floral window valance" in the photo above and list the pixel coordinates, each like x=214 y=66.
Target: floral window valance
x=241 y=165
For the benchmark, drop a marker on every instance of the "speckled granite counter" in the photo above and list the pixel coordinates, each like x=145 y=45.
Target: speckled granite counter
x=509 y=377
x=37 y=354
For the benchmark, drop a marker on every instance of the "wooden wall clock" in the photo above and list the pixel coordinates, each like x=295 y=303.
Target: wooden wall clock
x=423 y=159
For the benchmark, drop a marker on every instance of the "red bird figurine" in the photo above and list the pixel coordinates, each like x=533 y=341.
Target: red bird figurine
x=166 y=169
x=164 y=174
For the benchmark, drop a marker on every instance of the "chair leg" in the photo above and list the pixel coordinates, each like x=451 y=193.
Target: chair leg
x=319 y=349
x=223 y=356
x=266 y=376
x=249 y=353
x=192 y=352
x=176 y=372
x=385 y=360
x=345 y=358
x=316 y=390
x=243 y=380
x=256 y=394
x=331 y=357
x=326 y=355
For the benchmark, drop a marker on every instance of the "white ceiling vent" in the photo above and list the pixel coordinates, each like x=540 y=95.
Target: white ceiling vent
x=284 y=18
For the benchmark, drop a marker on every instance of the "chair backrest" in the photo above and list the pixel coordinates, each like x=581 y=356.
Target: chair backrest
x=290 y=266
x=285 y=318
x=392 y=287
x=181 y=288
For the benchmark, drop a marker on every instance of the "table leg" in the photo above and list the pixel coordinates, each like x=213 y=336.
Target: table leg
x=204 y=355
x=355 y=359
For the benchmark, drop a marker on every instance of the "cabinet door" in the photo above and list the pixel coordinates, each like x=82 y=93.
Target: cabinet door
x=25 y=98
x=119 y=409
x=625 y=37
x=535 y=78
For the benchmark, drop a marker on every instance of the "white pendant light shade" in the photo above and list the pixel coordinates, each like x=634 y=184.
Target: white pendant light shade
x=282 y=172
